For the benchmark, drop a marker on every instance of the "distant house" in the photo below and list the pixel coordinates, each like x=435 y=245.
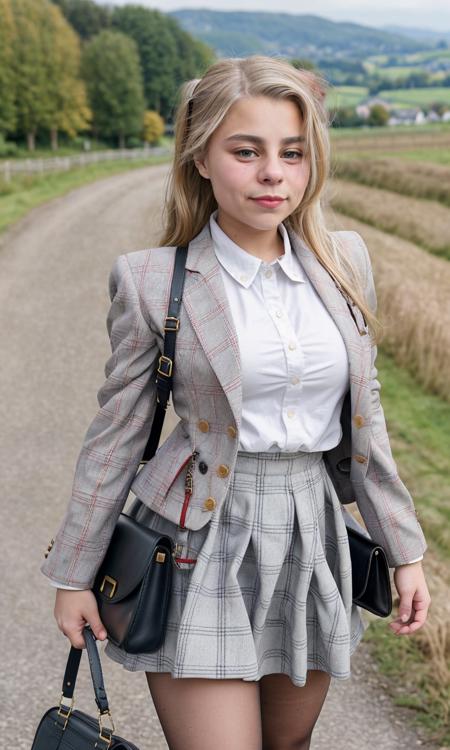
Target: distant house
x=407 y=116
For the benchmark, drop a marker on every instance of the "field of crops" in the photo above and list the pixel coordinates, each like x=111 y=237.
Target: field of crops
x=401 y=207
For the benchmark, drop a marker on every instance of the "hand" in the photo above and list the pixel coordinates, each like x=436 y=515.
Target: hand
x=73 y=609
x=414 y=598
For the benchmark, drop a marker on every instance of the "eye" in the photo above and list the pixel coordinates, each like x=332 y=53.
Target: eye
x=251 y=151
x=245 y=150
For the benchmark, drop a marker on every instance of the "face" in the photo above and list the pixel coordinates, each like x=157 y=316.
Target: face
x=256 y=151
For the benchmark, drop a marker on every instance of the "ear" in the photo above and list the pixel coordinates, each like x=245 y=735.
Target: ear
x=202 y=168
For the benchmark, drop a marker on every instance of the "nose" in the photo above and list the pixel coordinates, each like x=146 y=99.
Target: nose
x=271 y=170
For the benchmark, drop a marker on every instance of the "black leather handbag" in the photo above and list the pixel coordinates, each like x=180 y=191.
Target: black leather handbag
x=370 y=574
x=63 y=728
x=134 y=581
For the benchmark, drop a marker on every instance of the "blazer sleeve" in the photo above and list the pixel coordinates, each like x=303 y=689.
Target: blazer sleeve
x=114 y=442
x=383 y=500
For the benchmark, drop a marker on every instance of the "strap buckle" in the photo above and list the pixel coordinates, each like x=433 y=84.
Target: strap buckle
x=108 y=737
x=164 y=359
x=169 y=327
x=65 y=706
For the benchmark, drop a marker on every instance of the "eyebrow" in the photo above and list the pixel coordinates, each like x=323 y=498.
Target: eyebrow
x=257 y=139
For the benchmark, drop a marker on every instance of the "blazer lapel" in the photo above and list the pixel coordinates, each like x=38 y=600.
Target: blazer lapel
x=207 y=306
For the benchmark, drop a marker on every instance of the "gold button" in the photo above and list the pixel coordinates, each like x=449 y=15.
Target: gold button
x=358 y=420
x=209 y=503
x=203 y=425
x=360 y=459
x=232 y=432
x=223 y=470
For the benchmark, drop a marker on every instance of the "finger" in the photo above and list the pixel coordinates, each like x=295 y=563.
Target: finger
x=75 y=637
x=405 y=609
x=97 y=626
x=418 y=620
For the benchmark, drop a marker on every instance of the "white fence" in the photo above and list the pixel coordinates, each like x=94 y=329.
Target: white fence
x=61 y=163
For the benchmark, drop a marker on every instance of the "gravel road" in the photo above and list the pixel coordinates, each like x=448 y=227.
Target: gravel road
x=54 y=267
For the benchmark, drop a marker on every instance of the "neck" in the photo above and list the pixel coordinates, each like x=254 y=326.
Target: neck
x=265 y=244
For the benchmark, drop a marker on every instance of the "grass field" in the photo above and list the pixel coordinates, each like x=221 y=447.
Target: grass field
x=417 y=669
x=351 y=96
x=393 y=187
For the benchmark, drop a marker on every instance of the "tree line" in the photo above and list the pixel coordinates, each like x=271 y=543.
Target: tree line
x=71 y=67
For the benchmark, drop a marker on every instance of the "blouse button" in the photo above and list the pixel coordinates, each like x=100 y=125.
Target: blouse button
x=292 y=345
x=291 y=413
x=295 y=380
x=268 y=274
x=279 y=314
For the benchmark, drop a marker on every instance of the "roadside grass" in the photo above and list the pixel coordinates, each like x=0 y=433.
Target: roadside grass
x=395 y=213
x=417 y=668
x=23 y=193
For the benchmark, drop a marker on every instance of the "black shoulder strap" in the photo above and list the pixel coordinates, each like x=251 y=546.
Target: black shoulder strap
x=166 y=360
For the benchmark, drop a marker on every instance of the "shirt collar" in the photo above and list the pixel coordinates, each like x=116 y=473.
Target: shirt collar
x=243 y=266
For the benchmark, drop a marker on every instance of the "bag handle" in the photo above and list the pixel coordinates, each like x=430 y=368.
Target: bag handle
x=164 y=376
x=71 y=673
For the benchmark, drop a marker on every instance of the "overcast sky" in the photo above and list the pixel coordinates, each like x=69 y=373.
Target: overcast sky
x=430 y=14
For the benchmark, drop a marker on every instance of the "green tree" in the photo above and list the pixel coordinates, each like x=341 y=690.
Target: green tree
x=65 y=91
x=110 y=67
x=85 y=16
x=378 y=115
x=29 y=66
x=8 y=112
x=168 y=55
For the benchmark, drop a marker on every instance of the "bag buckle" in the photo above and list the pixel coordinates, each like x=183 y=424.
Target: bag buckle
x=106 y=738
x=113 y=582
x=68 y=708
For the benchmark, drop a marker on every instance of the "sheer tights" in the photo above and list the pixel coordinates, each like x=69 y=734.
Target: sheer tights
x=233 y=714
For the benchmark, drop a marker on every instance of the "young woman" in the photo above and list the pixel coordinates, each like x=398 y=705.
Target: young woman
x=277 y=343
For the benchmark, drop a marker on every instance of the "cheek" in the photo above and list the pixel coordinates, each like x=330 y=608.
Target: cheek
x=231 y=173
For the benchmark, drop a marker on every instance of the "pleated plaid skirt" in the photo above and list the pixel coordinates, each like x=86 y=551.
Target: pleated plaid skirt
x=269 y=587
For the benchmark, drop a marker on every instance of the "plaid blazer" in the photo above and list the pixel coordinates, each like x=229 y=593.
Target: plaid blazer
x=207 y=397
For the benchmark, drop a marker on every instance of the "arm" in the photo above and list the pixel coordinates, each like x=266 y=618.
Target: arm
x=383 y=500
x=395 y=520
x=114 y=442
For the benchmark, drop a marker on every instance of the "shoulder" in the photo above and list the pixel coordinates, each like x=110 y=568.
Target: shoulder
x=150 y=257
x=354 y=245
x=135 y=264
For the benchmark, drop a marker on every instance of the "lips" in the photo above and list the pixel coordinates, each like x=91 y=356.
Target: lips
x=268 y=202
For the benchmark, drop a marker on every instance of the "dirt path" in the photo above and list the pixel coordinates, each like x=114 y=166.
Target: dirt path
x=54 y=268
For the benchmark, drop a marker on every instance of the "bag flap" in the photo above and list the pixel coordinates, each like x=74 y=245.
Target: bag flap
x=364 y=553
x=128 y=558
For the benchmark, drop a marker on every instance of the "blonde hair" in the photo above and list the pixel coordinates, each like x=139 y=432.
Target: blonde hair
x=204 y=104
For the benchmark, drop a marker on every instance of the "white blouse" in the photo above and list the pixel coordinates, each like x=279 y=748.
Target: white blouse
x=294 y=361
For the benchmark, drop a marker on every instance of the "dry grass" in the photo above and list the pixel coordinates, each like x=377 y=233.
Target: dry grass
x=424 y=223
x=413 y=290
x=419 y=682
x=416 y=179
